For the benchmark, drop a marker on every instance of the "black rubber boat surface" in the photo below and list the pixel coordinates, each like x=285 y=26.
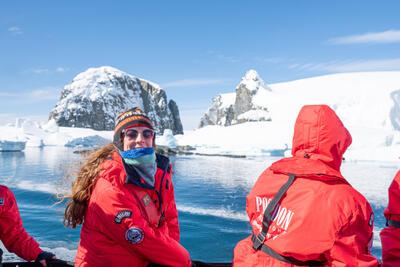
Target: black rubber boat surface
x=61 y=263
x=52 y=263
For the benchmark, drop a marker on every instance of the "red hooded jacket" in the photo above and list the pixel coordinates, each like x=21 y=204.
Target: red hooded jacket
x=115 y=231
x=12 y=233
x=390 y=236
x=321 y=217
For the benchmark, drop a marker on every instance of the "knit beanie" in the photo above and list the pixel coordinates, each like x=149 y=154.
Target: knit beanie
x=127 y=119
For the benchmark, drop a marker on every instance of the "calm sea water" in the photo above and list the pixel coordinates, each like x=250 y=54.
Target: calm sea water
x=210 y=195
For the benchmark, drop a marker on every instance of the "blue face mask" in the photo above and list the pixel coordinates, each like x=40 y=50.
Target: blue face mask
x=144 y=162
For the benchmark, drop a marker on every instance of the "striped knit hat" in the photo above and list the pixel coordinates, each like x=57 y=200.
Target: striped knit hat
x=127 y=119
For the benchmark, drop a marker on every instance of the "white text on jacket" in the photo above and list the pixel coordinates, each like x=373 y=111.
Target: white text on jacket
x=281 y=215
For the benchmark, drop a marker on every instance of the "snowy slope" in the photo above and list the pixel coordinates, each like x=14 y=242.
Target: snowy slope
x=369 y=99
x=368 y=103
x=360 y=99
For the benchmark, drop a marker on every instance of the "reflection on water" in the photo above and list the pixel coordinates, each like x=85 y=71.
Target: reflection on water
x=210 y=195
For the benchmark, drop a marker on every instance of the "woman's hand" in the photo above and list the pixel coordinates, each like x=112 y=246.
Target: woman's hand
x=45 y=256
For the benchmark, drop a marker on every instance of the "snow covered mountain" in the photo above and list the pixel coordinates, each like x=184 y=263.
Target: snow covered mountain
x=368 y=104
x=366 y=99
x=242 y=106
x=95 y=97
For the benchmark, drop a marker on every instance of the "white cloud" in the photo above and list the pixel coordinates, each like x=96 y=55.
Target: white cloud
x=351 y=66
x=9 y=118
x=390 y=36
x=40 y=71
x=273 y=60
x=222 y=57
x=228 y=59
x=14 y=30
x=37 y=95
x=61 y=69
x=48 y=71
x=46 y=93
x=194 y=82
x=5 y=94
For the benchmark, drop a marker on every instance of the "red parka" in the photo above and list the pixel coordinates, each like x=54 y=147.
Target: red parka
x=390 y=236
x=115 y=231
x=12 y=232
x=321 y=217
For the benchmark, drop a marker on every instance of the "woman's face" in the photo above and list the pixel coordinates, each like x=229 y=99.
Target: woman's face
x=137 y=137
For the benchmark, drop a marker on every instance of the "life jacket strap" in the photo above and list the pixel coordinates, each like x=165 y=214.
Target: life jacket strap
x=269 y=251
x=258 y=241
x=269 y=210
x=393 y=223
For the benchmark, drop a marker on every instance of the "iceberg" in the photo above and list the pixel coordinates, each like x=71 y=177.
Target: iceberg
x=88 y=141
x=6 y=145
x=167 y=139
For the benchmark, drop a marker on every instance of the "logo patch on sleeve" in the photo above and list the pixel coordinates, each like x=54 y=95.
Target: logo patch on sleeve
x=121 y=215
x=1 y=201
x=146 y=200
x=371 y=219
x=134 y=235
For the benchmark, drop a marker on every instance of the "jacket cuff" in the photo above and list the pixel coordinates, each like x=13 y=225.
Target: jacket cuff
x=35 y=254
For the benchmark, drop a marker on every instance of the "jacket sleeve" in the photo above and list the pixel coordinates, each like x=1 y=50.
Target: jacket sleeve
x=353 y=242
x=390 y=236
x=134 y=233
x=171 y=215
x=12 y=232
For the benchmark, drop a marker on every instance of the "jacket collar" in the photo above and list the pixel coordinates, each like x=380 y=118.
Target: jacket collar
x=306 y=167
x=132 y=177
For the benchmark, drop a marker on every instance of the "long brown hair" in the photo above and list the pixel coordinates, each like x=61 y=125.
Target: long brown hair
x=83 y=185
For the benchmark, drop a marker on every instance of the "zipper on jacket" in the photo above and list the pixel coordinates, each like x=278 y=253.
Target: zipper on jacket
x=159 y=193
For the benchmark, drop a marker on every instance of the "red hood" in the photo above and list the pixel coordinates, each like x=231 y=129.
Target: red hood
x=320 y=139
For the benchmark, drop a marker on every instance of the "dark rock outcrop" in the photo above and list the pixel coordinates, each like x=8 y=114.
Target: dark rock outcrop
x=95 y=97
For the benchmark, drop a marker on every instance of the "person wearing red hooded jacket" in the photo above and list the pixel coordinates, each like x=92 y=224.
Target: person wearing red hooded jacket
x=390 y=236
x=302 y=210
x=13 y=234
x=124 y=197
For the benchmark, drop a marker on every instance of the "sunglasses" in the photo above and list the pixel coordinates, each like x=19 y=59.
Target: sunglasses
x=133 y=134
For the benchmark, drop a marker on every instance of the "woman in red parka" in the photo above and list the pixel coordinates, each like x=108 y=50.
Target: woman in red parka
x=301 y=209
x=124 y=197
x=13 y=234
x=390 y=236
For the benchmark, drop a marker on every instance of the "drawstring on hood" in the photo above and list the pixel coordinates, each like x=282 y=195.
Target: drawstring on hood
x=319 y=142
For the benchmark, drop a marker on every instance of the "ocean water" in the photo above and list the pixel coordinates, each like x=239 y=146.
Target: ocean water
x=210 y=195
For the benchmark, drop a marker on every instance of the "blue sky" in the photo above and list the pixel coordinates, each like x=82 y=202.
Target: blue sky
x=194 y=49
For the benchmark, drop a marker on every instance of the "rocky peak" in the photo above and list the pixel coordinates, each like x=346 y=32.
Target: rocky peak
x=95 y=97
x=252 y=81
x=241 y=106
